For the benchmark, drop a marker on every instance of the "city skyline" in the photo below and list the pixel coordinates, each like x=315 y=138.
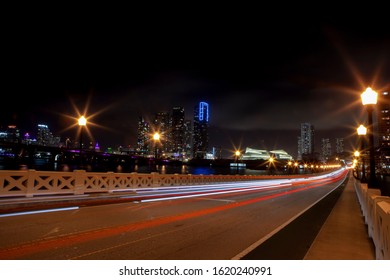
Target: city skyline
x=164 y=124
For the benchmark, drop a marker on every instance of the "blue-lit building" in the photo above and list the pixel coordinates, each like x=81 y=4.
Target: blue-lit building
x=162 y=125
x=201 y=130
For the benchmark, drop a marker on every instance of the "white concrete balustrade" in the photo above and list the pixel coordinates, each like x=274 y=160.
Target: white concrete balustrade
x=29 y=183
x=376 y=211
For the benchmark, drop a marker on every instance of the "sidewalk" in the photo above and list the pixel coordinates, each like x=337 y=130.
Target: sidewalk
x=344 y=235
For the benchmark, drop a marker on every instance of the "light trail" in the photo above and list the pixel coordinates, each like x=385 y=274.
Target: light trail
x=21 y=250
x=38 y=211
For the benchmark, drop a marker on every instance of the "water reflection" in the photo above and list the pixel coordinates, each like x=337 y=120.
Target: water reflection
x=43 y=164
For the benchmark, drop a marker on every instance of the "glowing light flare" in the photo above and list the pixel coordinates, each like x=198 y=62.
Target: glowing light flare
x=156 y=136
x=362 y=130
x=75 y=121
x=369 y=97
x=356 y=154
x=82 y=121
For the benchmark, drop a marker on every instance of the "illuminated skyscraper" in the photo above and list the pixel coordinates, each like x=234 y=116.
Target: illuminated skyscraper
x=143 y=136
x=326 y=149
x=45 y=136
x=339 y=146
x=306 y=142
x=178 y=131
x=384 y=119
x=11 y=134
x=162 y=125
x=187 y=152
x=200 y=130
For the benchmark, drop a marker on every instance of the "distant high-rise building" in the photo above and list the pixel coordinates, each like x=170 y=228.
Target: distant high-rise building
x=299 y=150
x=143 y=136
x=178 y=131
x=11 y=134
x=45 y=136
x=339 y=146
x=187 y=148
x=326 y=149
x=200 y=130
x=306 y=141
x=383 y=109
x=162 y=125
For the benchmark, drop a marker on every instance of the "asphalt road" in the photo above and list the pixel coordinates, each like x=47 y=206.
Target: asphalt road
x=198 y=223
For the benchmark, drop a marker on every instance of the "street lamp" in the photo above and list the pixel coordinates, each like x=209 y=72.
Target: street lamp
x=82 y=122
x=156 y=138
x=369 y=99
x=237 y=154
x=356 y=163
x=362 y=131
x=271 y=163
x=289 y=165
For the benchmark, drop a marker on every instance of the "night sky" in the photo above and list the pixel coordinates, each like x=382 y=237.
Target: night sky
x=260 y=79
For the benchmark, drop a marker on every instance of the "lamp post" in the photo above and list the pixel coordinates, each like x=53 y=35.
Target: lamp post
x=237 y=154
x=156 y=138
x=289 y=166
x=369 y=99
x=271 y=163
x=362 y=131
x=82 y=122
x=356 y=162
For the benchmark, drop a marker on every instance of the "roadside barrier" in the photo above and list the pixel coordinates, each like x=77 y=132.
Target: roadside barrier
x=29 y=183
x=376 y=211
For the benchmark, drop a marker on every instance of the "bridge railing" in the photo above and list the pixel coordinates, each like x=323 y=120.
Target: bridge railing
x=376 y=211
x=29 y=183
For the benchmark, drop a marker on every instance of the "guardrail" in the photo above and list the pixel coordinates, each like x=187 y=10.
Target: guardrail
x=376 y=211
x=29 y=183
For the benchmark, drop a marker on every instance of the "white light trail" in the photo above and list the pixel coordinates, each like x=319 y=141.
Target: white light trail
x=38 y=211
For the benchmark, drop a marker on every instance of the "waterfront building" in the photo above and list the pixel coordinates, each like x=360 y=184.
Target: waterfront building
x=143 y=137
x=45 y=137
x=187 y=148
x=10 y=134
x=339 y=146
x=326 y=149
x=162 y=125
x=383 y=116
x=255 y=154
x=178 y=130
x=280 y=155
x=261 y=154
x=306 y=142
x=201 y=130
